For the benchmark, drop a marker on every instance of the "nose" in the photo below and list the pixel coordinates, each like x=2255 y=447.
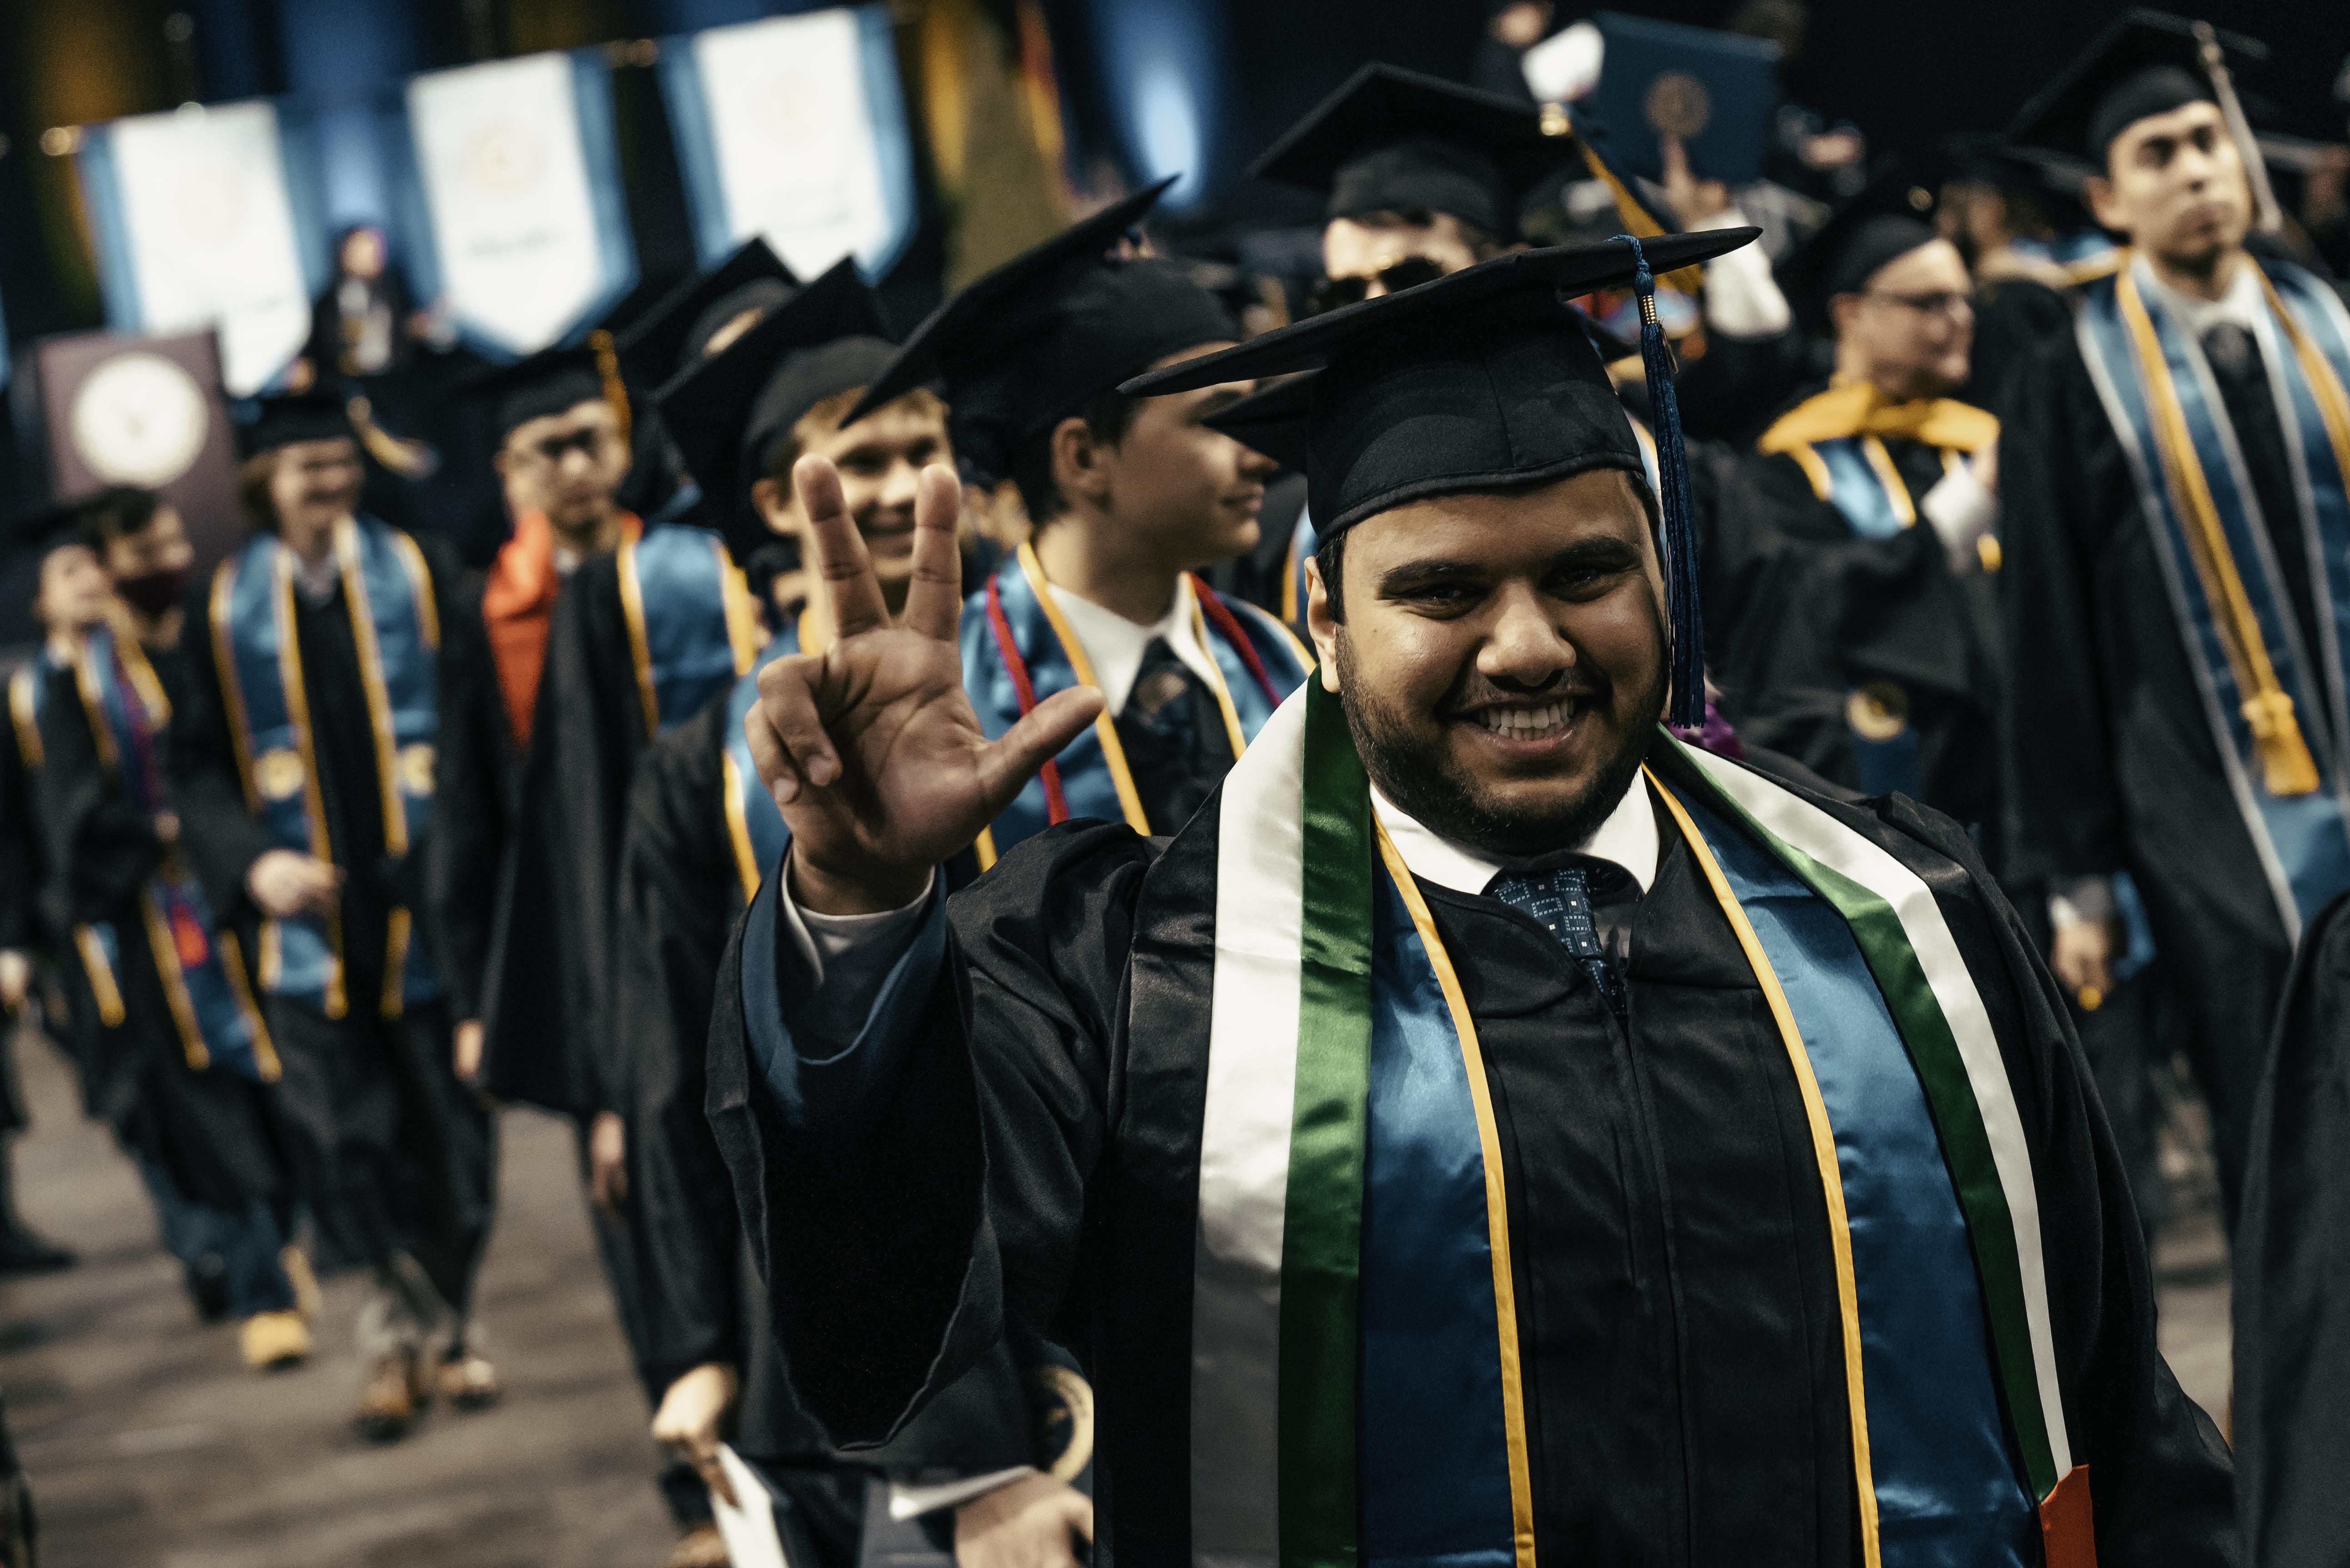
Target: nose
x=898 y=490
x=1255 y=464
x=1525 y=646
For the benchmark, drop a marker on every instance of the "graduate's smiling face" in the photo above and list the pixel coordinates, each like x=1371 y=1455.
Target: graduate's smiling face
x=881 y=458
x=313 y=486
x=1911 y=327
x=1501 y=656
x=73 y=590
x=1170 y=492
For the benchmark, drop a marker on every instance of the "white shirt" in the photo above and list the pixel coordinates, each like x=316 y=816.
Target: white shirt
x=1114 y=645
x=2243 y=304
x=1627 y=839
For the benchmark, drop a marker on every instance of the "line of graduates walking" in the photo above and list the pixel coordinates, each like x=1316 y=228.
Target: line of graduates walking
x=906 y=941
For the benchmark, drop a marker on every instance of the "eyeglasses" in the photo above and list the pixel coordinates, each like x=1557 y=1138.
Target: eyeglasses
x=1410 y=272
x=1944 y=301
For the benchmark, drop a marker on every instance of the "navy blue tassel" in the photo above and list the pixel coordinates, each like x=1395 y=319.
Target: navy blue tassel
x=1687 y=707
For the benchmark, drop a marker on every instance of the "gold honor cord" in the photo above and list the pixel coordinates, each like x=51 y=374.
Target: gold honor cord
x=1896 y=489
x=2286 y=766
x=1823 y=1153
x=641 y=653
x=20 y=711
x=297 y=710
x=1105 y=728
x=379 y=699
x=166 y=949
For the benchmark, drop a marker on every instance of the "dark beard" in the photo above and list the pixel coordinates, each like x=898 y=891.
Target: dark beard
x=1430 y=788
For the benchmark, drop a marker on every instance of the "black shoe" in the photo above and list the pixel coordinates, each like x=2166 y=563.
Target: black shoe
x=23 y=1252
x=208 y=1287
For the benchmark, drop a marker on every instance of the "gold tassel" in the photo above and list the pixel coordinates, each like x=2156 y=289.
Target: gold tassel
x=608 y=366
x=2286 y=766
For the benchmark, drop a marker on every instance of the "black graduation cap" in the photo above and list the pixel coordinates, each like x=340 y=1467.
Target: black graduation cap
x=1275 y=419
x=1887 y=218
x=52 y=526
x=1022 y=348
x=2146 y=63
x=551 y=381
x=1482 y=381
x=1393 y=140
x=726 y=412
x=659 y=346
x=293 y=417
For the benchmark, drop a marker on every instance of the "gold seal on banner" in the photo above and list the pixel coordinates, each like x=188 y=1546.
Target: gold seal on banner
x=507 y=156
x=1878 y=711
x=279 y=774
x=416 y=769
x=1677 y=105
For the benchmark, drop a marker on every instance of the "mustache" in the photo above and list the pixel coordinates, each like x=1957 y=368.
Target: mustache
x=1476 y=692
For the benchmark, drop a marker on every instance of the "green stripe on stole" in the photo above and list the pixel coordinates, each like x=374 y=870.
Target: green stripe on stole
x=1321 y=1258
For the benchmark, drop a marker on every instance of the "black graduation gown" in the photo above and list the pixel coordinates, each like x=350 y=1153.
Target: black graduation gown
x=19 y=926
x=1685 y=1398
x=2291 y=1275
x=1816 y=612
x=546 y=985
x=2104 y=744
x=2014 y=317
x=371 y=1104
x=212 y=1133
x=701 y=1301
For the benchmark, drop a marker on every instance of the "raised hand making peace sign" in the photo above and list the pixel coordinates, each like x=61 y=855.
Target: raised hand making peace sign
x=870 y=748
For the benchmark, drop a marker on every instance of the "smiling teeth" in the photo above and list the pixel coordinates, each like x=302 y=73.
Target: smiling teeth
x=1527 y=724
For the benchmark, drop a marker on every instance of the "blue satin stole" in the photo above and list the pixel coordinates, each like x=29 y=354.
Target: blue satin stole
x=675 y=587
x=1432 y=1448
x=2307 y=831
x=252 y=623
x=1856 y=490
x=1950 y=1488
x=181 y=936
x=759 y=831
x=1087 y=781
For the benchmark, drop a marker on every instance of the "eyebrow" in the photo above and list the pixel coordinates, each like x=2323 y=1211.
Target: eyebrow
x=1410 y=577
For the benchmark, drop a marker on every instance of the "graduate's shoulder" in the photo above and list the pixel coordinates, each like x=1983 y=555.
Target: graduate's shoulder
x=1075 y=883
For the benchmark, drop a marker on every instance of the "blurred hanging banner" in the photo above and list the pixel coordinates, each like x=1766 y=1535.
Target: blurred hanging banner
x=196 y=225
x=795 y=129
x=517 y=187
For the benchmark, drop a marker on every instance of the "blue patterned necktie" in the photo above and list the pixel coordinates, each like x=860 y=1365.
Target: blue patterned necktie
x=1559 y=898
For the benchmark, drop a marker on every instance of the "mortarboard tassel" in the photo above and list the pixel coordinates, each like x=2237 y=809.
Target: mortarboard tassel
x=1687 y=707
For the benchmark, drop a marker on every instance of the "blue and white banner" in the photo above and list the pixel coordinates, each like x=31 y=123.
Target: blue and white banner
x=517 y=179
x=198 y=224
x=794 y=128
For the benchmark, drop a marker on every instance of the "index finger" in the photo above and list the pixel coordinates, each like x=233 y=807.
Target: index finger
x=841 y=561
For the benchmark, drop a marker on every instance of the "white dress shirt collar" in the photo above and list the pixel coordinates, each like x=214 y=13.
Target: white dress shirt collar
x=2243 y=304
x=1114 y=645
x=1627 y=839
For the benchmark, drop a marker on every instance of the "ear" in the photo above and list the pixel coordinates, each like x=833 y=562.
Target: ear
x=2104 y=203
x=503 y=462
x=1077 y=467
x=776 y=506
x=1321 y=626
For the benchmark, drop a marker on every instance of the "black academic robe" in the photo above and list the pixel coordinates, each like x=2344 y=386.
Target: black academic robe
x=701 y=1302
x=1816 y=611
x=2104 y=741
x=19 y=926
x=1684 y=1385
x=2291 y=1272
x=370 y=1104
x=212 y=1133
x=546 y=980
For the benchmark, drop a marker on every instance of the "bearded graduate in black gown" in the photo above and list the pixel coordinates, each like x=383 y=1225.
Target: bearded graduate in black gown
x=1490 y=1130
x=2170 y=475
x=305 y=789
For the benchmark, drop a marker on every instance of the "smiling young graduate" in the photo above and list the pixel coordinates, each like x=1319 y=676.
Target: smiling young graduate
x=1490 y=1130
x=2173 y=476
x=1130 y=499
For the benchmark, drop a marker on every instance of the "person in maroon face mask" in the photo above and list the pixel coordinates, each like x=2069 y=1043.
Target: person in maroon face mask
x=148 y=555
